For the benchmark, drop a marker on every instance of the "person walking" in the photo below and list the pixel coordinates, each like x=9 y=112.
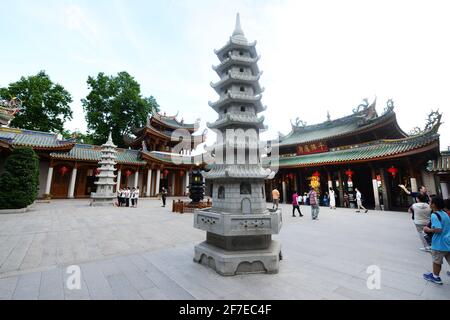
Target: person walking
x=275 y=198
x=295 y=205
x=136 y=197
x=332 y=199
x=132 y=196
x=440 y=243
x=119 y=197
x=305 y=197
x=421 y=215
x=346 y=200
x=163 y=196
x=127 y=196
x=314 y=203
x=359 y=201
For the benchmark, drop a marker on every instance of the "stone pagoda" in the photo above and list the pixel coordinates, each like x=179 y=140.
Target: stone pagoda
x=104 y=195
x=239 y=226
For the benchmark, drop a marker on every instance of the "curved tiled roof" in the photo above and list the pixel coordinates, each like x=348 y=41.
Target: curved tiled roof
x=86 y=152
x=35 y=139
x=369 y=151
x=339 y=127
x=237 y=171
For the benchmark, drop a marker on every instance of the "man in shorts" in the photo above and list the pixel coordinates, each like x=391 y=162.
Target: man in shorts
x=275 y=198
x=440 y=243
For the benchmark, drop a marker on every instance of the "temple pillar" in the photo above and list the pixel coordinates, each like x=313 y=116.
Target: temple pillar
x=187 y=182
x=158 y=180
x=341 y=189
x=376 y=195
x=330 y=182
x=48 y=184
x=119 y=177
x=414 y=185
x=136 y=178
x=384 y=189
x=73 y=178
x=284 y=192
x=172 y=192
x=149 y=180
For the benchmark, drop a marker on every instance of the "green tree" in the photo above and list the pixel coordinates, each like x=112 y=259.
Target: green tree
x=115 y=103
x=45 y=105
x=20 y=180
x=78 y=136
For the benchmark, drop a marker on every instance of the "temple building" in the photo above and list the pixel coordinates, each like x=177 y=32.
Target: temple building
x=68 y=169
x=441 y=169
x=364 y=150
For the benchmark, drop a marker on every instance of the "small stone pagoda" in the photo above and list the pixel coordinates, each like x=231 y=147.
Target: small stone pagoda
x=104 y=195
x=239 y=226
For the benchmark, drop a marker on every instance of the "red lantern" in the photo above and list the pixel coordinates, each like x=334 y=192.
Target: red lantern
x=349 y=174
x=393 y=171
x=63 y=170
x=96 y=172
x=316 y=174
x=165 y=173
x=181 y=173
x=128 y=173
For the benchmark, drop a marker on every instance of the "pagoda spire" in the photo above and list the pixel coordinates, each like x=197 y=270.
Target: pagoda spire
x=237 y=29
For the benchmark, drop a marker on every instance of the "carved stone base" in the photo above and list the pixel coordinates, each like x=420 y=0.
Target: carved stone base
x=102 y=202
x=230 y=263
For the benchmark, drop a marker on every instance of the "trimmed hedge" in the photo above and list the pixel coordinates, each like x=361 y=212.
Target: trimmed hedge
x=20 y=181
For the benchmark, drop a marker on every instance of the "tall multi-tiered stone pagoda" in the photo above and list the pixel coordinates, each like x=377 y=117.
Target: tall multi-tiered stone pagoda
x=239 y=226
x=104 y=195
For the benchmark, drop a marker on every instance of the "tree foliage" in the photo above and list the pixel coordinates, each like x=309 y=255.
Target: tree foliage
x=78 y=136
x=115 y=103
x=45 y=105
x=20 y=179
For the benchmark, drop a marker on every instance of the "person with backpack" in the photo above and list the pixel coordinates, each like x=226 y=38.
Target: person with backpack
x=440 y=243
x=359 y=201
x=314 y=203
x=421 y=215
x=295 y=206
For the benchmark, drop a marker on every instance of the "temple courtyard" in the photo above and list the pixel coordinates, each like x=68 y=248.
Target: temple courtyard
x=146 y=253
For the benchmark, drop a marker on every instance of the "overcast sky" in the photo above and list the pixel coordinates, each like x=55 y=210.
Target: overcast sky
x=316 y=55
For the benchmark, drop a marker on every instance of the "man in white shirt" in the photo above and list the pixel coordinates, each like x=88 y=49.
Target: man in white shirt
x=359 y=201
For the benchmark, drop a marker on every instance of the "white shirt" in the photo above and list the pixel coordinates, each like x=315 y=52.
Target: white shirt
x=422 y=213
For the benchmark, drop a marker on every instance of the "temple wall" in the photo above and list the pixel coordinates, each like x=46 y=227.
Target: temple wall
x=43 y=171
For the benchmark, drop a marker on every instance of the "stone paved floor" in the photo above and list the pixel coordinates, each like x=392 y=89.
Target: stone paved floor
x=146 y=253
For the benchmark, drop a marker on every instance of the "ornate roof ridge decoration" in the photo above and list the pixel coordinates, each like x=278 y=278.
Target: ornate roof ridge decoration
x=364 y=113
x=8 y=110
x=172 y=121
x=433 y=123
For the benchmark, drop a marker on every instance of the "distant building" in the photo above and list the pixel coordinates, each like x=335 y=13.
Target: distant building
x=68 y=169
x=363 y=150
